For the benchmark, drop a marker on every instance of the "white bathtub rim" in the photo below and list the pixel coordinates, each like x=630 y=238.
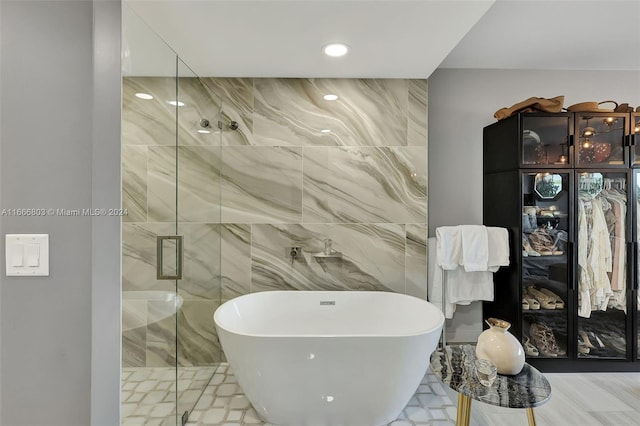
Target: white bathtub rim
x=435 y=328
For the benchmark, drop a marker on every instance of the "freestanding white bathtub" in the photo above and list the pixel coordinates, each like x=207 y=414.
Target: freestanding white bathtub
x=315 y=358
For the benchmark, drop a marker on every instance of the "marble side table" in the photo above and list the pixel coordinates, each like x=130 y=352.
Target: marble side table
x=454 y=366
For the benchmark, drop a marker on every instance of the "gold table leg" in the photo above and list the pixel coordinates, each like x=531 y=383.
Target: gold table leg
x=464 y=410
x=531 y=417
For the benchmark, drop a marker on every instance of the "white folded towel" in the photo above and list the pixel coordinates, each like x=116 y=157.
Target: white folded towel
x=460 y=287
x=498 y=240
x=475 y=247
x=479 y=250
x=449 y=247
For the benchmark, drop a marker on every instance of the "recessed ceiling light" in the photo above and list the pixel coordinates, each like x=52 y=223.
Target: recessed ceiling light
x=144 y=96
x=325 y=131
x=335 y=49
x=176 y=103
x=203 y=131
x=330 y=97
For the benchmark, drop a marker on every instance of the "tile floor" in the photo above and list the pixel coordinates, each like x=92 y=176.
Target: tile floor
x=224 y=404
x=593 y=399
x=149 y=397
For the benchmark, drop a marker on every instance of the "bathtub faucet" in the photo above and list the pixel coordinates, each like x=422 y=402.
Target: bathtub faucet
x=294 y=253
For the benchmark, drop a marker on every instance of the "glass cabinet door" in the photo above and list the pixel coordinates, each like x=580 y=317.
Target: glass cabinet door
x=600 y=139
x=635 y=138
x=545 y=140
x=601 y=237
x=636 y=192
x=545 y=262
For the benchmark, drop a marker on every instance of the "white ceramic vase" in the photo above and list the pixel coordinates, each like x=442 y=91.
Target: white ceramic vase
x=500 y=347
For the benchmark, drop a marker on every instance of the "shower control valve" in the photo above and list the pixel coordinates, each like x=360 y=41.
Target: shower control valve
x=294 y=252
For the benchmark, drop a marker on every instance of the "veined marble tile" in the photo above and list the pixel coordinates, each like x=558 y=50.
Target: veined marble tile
x=199 y=184
x=366 y=184
x=417 y=113
x=372 y=257
x=139 y=256
x=161 y=184
x=148 y=122
x=371 y=112
x=261 y=184
x=198 y=198
x=197 y=338
x=134 y=351
x=134 y=183
x=236 y=260
x=201 y=274
x=237 y=105
x=416 y=260
x=161 y=342
x=199 y=103
x=201 y=261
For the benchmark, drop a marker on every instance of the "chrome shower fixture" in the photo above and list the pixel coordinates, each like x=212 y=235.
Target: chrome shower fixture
x=231 y=125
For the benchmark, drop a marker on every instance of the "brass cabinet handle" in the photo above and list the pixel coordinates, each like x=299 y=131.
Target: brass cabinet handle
x=160 y=239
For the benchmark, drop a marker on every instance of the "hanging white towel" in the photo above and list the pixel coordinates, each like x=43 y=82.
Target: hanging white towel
x=466 y=278
x=475 y=247
x=434 y=281
x=498 y=239
x=449 y=247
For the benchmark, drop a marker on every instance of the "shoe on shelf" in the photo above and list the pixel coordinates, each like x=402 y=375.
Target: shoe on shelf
x=557 y=299
x=529 y=349
x=585 y=339
x=542 y=242
x=546 y=301
x=544 y=340
x=531 y=302
x=582 y=347
x=525 y=304
x=526 y=247
x=596 y=340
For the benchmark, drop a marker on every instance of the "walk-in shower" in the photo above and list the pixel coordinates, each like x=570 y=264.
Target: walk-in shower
x=171 y=235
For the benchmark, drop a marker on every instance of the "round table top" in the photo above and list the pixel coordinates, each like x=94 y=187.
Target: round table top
x=454 y=366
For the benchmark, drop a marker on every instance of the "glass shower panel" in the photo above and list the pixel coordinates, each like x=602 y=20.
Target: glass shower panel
x=149 y=164
x=198 y=352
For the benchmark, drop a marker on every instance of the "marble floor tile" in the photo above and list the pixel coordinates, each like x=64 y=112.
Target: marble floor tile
x=223 y=403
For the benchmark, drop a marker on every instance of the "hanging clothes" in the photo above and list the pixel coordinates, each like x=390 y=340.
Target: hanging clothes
x=616 y=219
x=602 y=278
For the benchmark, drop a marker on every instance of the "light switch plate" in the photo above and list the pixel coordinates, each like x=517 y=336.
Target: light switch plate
x=15 y=245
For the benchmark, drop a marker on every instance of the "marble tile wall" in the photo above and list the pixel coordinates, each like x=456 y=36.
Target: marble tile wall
x=298 y=171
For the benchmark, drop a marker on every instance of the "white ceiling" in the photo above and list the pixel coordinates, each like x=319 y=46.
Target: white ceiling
x=556 y=35
x=388 y=39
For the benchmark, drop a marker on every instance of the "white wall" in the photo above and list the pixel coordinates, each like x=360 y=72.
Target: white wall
x=60 y=149
x=461 y=103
